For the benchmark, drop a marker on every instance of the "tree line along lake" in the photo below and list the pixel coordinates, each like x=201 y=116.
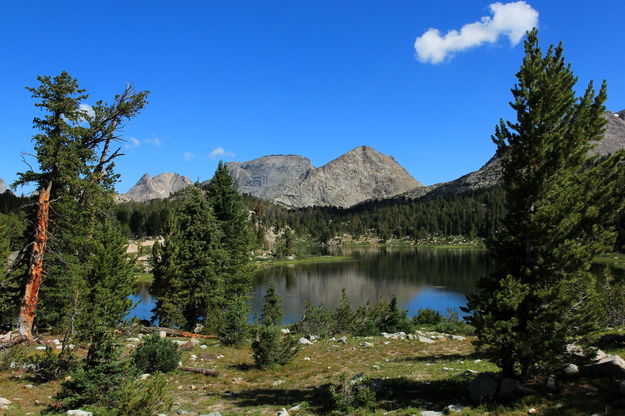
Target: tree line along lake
x=421 y=277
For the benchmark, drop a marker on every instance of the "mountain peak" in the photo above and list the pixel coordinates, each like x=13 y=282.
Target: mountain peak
x=3 y=186
x=159 y=186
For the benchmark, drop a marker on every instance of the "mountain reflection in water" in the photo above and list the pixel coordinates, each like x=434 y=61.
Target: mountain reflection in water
x=421 y=278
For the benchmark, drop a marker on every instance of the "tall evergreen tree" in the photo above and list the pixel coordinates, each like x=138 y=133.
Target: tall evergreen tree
x=110 y=282
x=188 y=283
x=561 y=205
x=236 y=240
x=75 y=175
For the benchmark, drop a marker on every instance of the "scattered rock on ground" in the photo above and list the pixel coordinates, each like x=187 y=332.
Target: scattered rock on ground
x=483 y=388
x=285 y=330
x=426 y=340
x=431 y=413
x=283 y=412
x=570 y=370
x=78 y=413
x=212 y=414
x=342 y=340
x=304 y=341
x=455 y=408
x=367 y=344
x=551 y=384
x=296 y=408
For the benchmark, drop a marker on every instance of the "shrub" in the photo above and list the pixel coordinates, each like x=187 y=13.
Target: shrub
x=10 y=357
x=101 y=379
x=343 y=315
x=271 y=348
x=50 y=365
x=316 y=320
x=156 y=354
x=427 y=317
x=144 y=398
x=364 y=322
x=395 y=319
x=451 y=324
x=352 y=394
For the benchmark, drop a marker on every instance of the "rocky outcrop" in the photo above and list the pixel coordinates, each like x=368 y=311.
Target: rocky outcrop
x=3 y=186
x=359 y=175
x=292 y=181
x=269 y=176
x=159 y=186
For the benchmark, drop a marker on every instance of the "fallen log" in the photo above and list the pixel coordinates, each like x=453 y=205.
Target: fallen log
x=205 y=371
x=175 y=332
x=10 y=339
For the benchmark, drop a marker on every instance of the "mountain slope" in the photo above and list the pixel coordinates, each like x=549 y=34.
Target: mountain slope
x=159 y=186
x=267 y=177
x=359 y=175
x=490 y=174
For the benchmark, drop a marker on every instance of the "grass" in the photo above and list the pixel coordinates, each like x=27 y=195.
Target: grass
x=416 y=377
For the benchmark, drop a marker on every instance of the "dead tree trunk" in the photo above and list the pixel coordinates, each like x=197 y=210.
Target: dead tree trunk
x=35 y=267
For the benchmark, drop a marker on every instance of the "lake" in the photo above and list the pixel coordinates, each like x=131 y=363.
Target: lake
x=420 y=277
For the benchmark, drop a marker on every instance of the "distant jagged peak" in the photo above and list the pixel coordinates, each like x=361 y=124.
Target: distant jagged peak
x=3 y=186
x=159 y=186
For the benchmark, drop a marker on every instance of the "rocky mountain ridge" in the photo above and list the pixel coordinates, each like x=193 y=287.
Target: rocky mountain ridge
x=3 y=186
x=159 y=186
x=360 y=174
x=490 y=174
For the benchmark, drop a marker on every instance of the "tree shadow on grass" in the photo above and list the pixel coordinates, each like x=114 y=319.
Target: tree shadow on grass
x=443 y=357
x=314 y=396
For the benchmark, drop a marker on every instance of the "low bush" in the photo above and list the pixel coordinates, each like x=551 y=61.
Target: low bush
x=427 y=317
x=51 y=365
x=11 y=357
x=156 y=354
x=144 y=397
x=352 y=394
x=316 y=320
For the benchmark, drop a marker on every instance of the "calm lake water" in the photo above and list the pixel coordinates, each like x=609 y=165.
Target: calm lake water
x=421 y=278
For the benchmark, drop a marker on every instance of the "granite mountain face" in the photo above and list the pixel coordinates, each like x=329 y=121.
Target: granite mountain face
x=159 y=186
x=360 y=175
x=3 y=186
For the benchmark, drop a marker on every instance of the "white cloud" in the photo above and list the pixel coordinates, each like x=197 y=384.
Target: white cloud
x=188 y=156
x=86 y=109
x=132 y=143
x=509 y=19
x=220 y=151
x=155 y=141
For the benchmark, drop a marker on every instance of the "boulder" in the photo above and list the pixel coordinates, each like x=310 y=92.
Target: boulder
x=212 y=414
x=367 y=344
x=551 y=384
x=304 y=341
x=342 y=340
x=570 y=370
x=285 y=331
x=610 y=366
x=455 y=408
x=431 y=413
x=426 y=340
x=78 y=413
x=510 y=389
x=483 y=388
x=283 y=412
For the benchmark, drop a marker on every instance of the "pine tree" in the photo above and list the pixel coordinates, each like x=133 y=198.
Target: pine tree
x=561 y=206
x=188 y=282
x=76 y=177
x=272 y=307
x=344 y=316
x=236 y=241
x=110 y=282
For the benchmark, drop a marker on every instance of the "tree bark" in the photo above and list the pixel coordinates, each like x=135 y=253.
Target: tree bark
x=35 y=266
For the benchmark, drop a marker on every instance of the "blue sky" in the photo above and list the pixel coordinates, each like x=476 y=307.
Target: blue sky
x=315 y=78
